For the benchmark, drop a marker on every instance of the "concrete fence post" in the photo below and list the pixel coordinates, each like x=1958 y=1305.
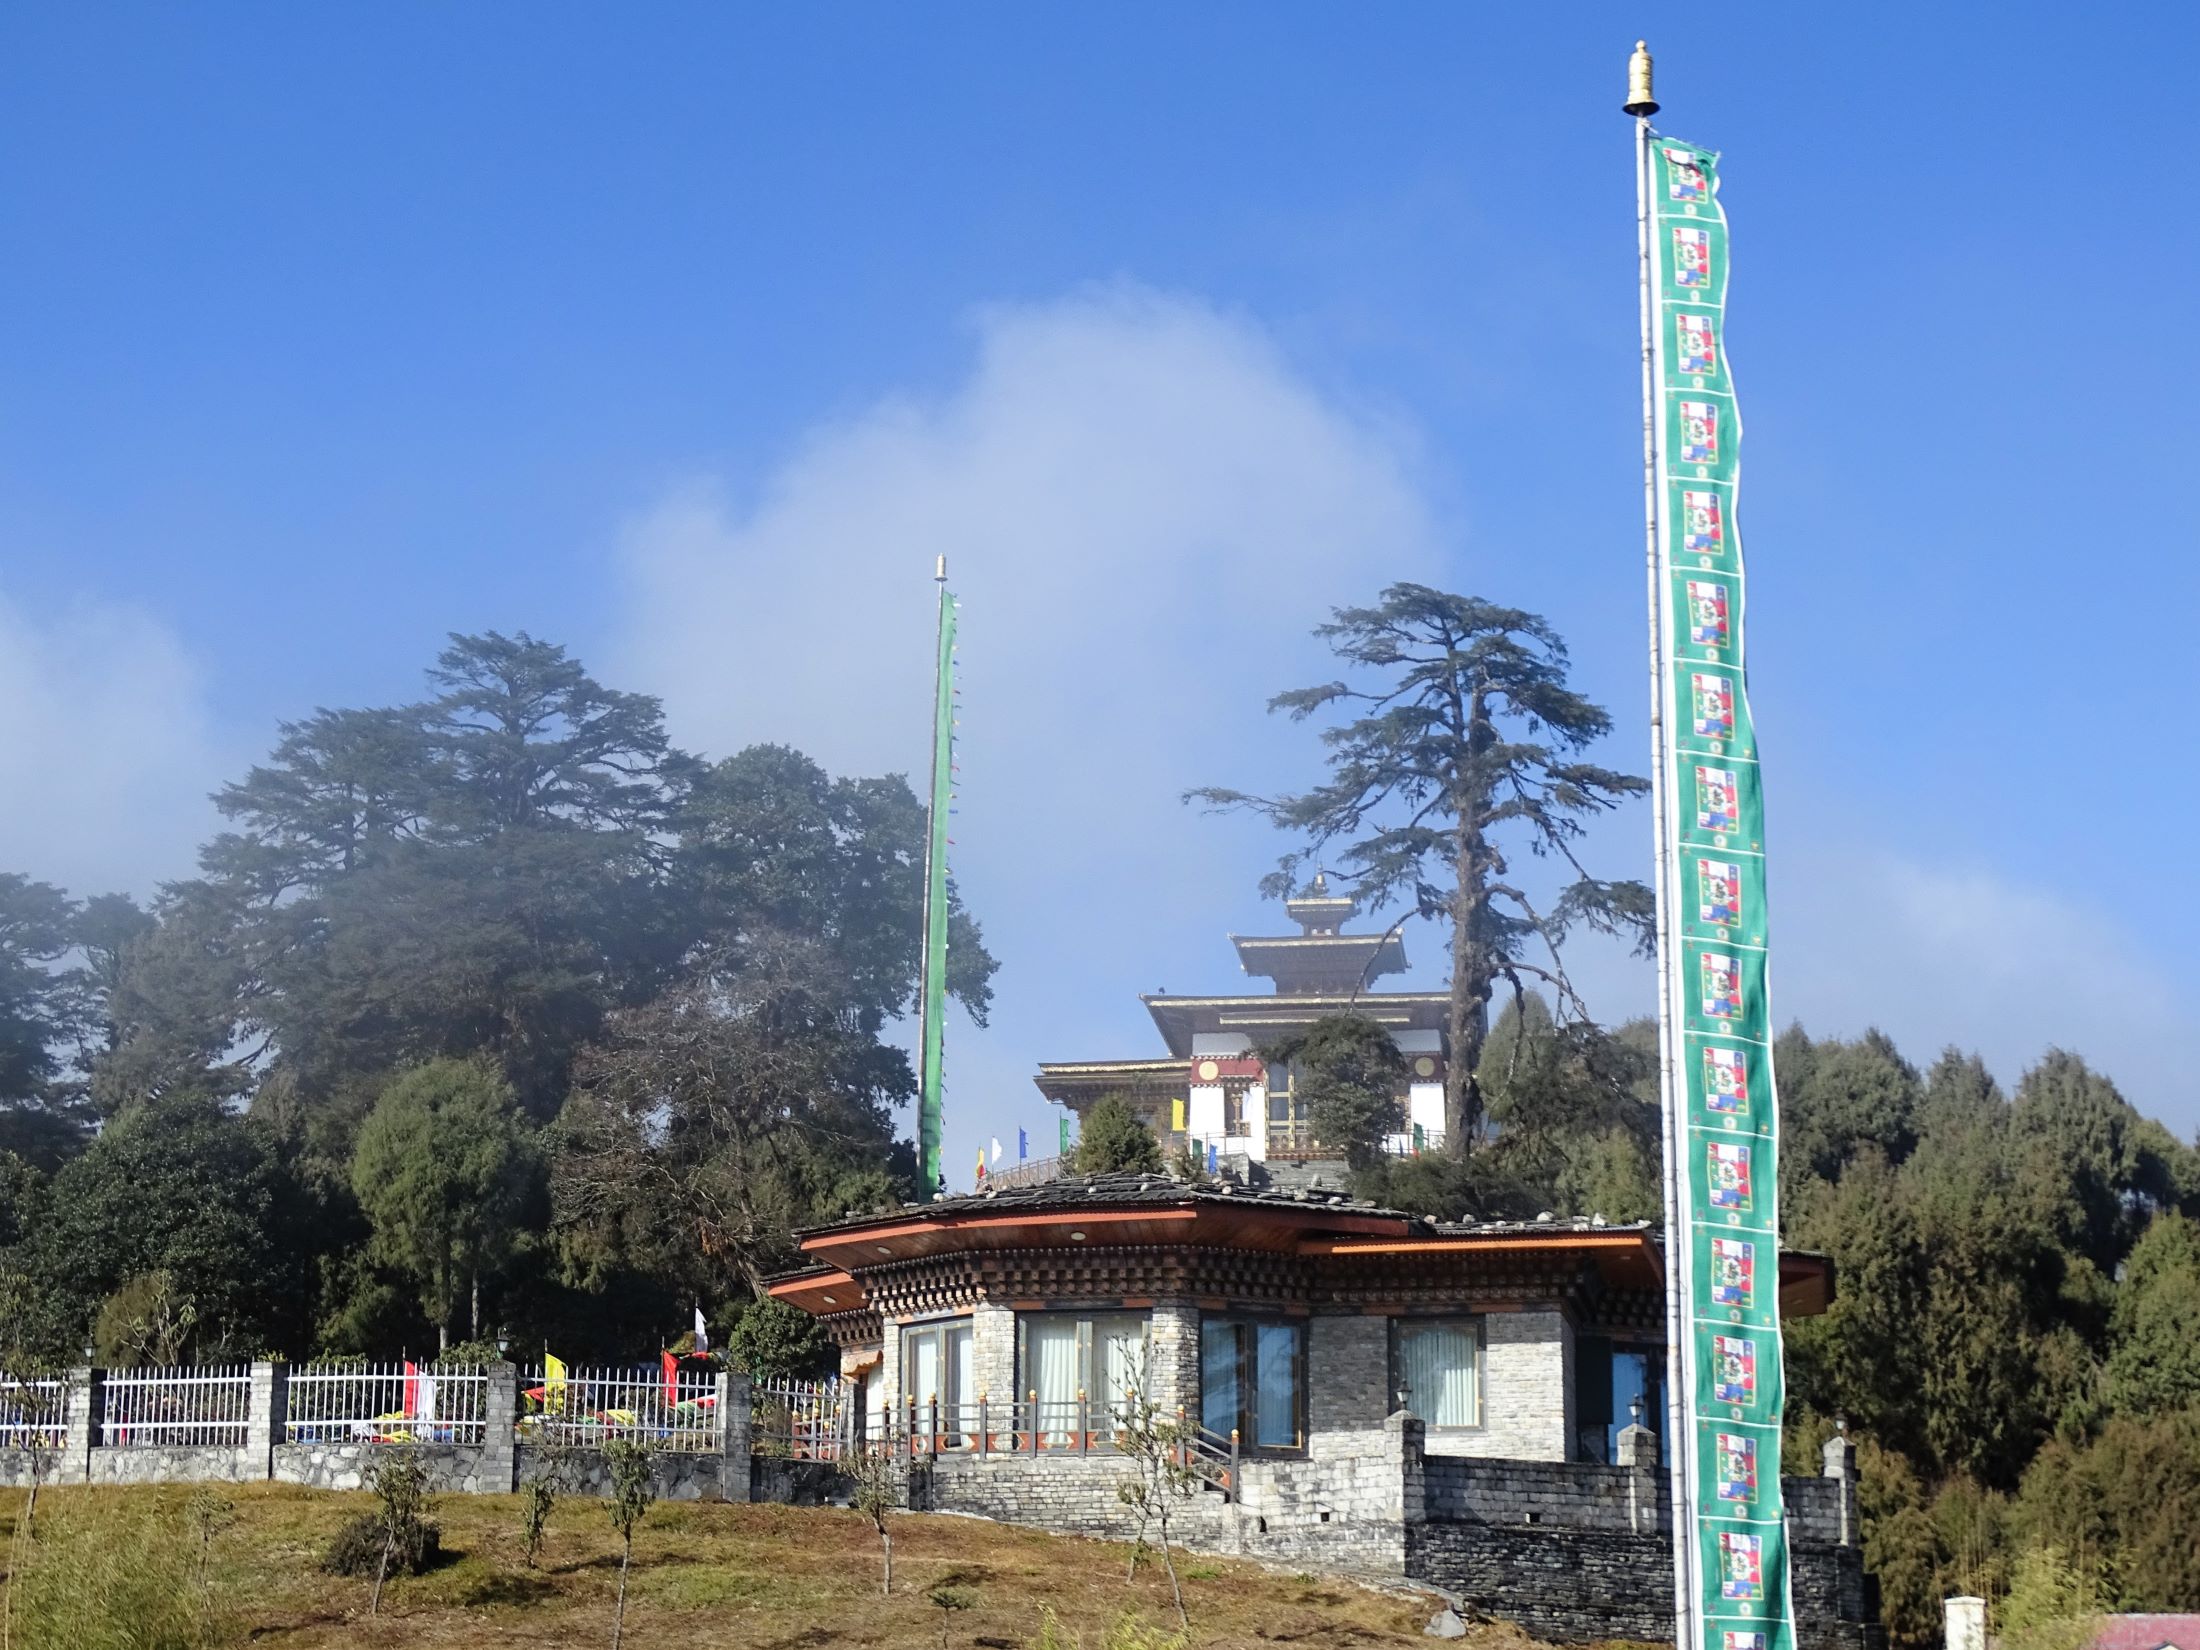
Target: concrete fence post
x=1964 y=1621
x=265 y=1418
x=500 y=1430
x=1840 y=1460
x=1638 y=1453
x=80 y=1425
x=734 y=1411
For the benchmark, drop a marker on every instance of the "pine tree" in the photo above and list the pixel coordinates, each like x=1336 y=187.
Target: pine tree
x=1463 y=740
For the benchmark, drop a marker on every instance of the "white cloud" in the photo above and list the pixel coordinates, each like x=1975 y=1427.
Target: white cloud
x=106 y=753
x=1144 y=511
x=1939 y=954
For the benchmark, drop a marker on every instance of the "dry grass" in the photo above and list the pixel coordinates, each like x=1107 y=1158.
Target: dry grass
x=762 y=1578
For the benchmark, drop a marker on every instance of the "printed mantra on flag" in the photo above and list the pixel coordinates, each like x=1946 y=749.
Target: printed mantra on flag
x=1714 y=890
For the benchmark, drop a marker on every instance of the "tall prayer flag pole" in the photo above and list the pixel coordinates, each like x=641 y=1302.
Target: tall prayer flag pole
x=934 y=1023
x=1724 y=1386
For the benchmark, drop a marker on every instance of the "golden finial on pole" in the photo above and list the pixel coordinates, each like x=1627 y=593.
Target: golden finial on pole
x=1639 y=98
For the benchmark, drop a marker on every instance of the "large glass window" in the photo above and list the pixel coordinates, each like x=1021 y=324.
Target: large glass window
x=1439 y=1369
x=1251 y=1381
x=938 y=1366
x=1062 y=1354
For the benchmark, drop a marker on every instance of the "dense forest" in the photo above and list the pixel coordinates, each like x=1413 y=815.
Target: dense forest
x=495 y=1013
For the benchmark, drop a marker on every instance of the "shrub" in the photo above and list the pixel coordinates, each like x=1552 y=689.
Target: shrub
x=357 y=1548
x=1113 y=1138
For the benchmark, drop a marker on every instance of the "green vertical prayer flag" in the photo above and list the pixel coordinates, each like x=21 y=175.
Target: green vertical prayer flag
x=934 y=1024
x=1724 y=1232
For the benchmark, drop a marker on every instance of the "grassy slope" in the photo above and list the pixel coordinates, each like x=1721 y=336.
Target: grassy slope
x=707 y=1576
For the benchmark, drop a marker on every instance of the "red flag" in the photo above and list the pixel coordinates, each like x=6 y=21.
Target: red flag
x=672 y=1378
x=412 y=1389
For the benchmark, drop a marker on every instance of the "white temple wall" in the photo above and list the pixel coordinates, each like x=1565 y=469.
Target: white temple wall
x=1220 y=1043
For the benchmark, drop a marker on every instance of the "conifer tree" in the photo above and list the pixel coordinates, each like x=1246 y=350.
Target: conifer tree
x=1462 y=744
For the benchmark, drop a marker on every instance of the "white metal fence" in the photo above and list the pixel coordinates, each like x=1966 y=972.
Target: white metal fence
x=34 y=1414
x=585 y=1406
x=804 y=1420
x=386 y=1404
x=205 y=1406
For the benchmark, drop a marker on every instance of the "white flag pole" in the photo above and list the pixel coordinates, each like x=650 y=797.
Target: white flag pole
x=1672 y=1091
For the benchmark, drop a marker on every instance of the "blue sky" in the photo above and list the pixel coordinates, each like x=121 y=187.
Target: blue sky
x=688 y=336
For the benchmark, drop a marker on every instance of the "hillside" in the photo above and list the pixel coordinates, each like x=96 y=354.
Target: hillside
x=705 y=1576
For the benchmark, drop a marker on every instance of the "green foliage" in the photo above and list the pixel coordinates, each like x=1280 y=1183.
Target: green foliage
x=114 y=1574
x=442 y=1170
x=714 y=1121
x=2154 y=1328
x=1113 y=1138
x=1461 y=737
x=2051 y=1605
x=771 y=1340
x=173 y=1185
x=1351 y=1079
x=2122 y=1507
x=147 y=1321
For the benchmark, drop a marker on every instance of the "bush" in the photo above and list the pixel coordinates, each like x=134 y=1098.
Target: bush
x=357 y=1548
x=772 y=1340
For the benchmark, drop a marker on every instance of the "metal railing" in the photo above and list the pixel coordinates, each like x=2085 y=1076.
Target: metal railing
x=34 y=1414
x=203 y=1406
x=587 y=1406
x=1035 y=1426
x=386 y=1404
x=802 y=1420
x=1037 y=1171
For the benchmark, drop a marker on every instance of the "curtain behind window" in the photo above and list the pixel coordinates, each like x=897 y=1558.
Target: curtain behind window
x=1118 y=1361
x=1051 y=1352
x=1436 y=1362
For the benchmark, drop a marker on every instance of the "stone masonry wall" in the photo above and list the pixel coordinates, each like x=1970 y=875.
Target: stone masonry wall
x=453 y=1469
x=1576 y=1586
x=1527 y=1390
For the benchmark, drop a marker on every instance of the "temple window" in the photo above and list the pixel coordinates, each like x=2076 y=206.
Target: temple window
x=1252 y=1381
x=1437 y=1366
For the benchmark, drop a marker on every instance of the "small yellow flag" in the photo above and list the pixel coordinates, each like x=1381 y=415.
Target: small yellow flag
x=553 y=1382
x=1176 y=1115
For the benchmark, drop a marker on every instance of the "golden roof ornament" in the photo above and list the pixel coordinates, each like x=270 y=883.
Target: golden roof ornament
x=1640 y=101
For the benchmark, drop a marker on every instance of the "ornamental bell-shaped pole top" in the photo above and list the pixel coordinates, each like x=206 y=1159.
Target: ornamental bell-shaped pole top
x=1640 y=99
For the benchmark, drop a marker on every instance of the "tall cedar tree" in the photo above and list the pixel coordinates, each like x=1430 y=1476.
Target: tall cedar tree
x=1463 y=736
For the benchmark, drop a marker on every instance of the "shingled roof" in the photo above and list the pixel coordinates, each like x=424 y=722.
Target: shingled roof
x=1131 y=1190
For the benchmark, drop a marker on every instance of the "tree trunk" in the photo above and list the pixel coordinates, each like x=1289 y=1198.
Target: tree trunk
x=618 y=1611
x=1468 y=1017
x=473 y=1313
x=1168 y=1562
x=381 y=1573
x=886 y=1547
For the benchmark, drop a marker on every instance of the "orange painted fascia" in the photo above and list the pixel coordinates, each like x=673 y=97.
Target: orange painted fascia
x=802 y=1286
x=1464 y=1245
x=979 y=1223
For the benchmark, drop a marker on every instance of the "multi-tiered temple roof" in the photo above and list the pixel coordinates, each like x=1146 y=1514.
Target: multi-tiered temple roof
x=1319 y=970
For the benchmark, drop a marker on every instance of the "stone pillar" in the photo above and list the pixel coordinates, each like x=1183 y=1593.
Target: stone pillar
x=265 y=1418
x=1840 y=1459
x=1965 y=1623
x=733 y=1436
x=80 y=1425
x=992 y=1355
x=1172 y=1358
x=1410 y=1434
x=1638 y=1453
x=500 y=1430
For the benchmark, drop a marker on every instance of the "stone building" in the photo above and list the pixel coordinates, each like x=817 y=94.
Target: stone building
x=1470 y=1404
x=1213 y=1091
